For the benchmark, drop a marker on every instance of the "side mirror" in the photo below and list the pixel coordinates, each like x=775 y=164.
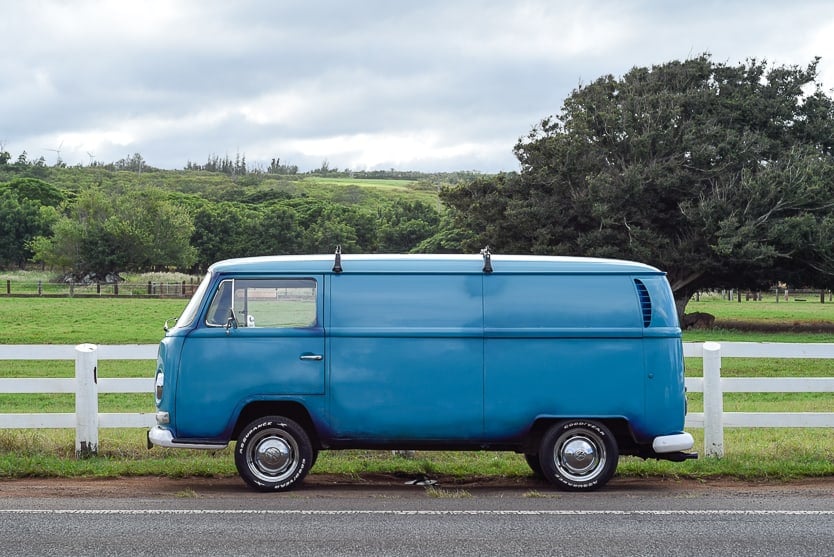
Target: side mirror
x=231 y=322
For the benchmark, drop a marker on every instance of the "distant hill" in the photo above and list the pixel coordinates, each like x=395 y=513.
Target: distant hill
x=357 y=188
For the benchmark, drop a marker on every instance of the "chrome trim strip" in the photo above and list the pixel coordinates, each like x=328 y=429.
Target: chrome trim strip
x=163 y=438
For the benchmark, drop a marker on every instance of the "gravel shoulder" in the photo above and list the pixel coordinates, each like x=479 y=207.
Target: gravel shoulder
x=323 y=485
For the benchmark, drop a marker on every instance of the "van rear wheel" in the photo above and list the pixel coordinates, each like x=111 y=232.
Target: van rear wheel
x=578 y=455
x=273 y=453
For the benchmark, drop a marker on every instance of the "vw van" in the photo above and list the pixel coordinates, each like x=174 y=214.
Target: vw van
x=571 y=362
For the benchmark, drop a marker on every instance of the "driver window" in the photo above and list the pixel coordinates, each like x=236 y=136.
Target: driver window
x=266 y=303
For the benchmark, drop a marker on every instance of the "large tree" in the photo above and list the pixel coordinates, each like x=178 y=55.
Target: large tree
x=718 y=174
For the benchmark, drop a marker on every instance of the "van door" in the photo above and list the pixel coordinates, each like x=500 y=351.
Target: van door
x=406 y=357
x=260 y=339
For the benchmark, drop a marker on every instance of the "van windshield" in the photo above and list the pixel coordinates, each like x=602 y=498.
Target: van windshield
x=190 y=311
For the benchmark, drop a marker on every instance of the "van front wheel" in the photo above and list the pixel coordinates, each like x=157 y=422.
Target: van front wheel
x=273 y=453
x=578 y=455
x=534 y=464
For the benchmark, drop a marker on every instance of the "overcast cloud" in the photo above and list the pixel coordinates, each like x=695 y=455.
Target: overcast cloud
x=434 y=85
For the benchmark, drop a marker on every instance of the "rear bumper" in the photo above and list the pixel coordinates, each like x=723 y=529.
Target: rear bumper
x=673 y=443
x=162 y=437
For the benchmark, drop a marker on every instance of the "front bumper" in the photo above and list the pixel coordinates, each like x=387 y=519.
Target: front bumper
x=162 y=437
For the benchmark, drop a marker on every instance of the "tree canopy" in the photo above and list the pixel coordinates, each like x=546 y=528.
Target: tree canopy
x=27 y=210
x=720 y=175
x=107 y=231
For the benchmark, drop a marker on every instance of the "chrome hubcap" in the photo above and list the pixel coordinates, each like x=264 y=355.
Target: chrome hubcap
x=580 y=455
x=273 y=457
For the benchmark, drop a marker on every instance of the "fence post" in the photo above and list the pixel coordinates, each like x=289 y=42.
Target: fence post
x=713 y=401
x=86 y=401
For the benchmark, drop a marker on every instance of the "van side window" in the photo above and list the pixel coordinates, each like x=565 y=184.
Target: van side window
x=220 y=309
x=265 y=303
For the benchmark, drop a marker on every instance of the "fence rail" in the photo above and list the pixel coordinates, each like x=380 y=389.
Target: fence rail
x=86 y=386
x=15 y=289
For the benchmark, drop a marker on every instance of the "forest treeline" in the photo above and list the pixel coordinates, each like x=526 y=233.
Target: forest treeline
x=101 y=219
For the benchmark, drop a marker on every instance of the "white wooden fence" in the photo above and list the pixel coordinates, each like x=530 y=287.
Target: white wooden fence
x=86 y=386
x=713 y=419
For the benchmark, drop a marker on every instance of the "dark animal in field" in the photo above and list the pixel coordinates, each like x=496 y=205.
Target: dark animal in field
x=698 y=320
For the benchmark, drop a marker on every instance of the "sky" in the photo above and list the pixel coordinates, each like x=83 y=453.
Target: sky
x=428 y=85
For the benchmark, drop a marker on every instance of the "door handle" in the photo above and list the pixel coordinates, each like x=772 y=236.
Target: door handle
x=310 y=357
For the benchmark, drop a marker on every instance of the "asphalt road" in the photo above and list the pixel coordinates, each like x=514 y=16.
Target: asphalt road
x=146 y=516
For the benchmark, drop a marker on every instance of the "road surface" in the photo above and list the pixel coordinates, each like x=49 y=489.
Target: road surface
x=385 y=516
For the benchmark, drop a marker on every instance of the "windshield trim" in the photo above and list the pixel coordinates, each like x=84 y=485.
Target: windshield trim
x=189 y=314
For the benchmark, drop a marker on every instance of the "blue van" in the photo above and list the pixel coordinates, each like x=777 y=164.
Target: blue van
x=568 y=361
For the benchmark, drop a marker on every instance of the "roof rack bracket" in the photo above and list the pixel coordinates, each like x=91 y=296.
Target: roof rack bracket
x=337 y=265
x=487 y=259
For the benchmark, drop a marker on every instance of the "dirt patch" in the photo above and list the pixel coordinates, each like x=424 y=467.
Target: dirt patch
x=326 y=485
x=825 y=327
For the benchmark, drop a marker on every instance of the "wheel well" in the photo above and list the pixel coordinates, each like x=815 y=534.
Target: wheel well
x=619 y=429
x=292 y=410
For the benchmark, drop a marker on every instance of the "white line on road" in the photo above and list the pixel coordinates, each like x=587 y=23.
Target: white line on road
x=717 y=512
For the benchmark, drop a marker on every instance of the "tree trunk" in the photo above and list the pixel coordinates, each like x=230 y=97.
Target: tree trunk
x=683 y=287
x=682 y=297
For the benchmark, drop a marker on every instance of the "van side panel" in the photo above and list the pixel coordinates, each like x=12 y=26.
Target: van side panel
x=588 y=304
x=665 y=388
x=560 y=345
x=664 y=314
x=406 y=357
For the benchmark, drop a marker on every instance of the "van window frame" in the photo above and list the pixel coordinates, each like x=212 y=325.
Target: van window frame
x=192 y=309
x=241 y=313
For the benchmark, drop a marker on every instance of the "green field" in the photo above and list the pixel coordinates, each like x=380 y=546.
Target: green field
x=78 y=320
x=798 y=309
x=760 y=454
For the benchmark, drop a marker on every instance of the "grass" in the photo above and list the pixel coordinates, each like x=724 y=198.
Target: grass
x=764 y=454
x=750 y=454
x=766 y=311
x=441 y=493
x=77 y=320
x=534 y=494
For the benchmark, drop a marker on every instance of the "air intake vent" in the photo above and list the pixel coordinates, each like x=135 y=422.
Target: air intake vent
x=645 y=302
